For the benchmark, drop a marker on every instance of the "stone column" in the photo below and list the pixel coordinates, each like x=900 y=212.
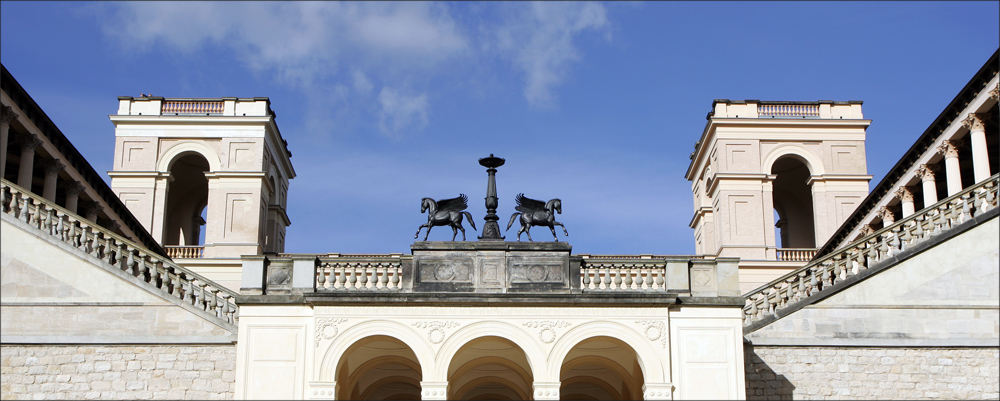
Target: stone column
x=906 y=197
x=73 y=189
x=888 y=218
x=976 y=123
x=91 y=210
x=51 y=167
x=926 y=174
x=433 y=390
x=949 y=149
x=25 y=169
x=546 y=390
x=6 y=116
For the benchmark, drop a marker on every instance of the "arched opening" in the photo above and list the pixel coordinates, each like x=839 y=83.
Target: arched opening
x=793 y=203
x=187 y=199
x=378 y=368
x=490 y=368
x=601 y=368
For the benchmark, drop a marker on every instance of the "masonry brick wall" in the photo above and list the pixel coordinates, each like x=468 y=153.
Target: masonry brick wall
x=118 y=372
x=785 y=373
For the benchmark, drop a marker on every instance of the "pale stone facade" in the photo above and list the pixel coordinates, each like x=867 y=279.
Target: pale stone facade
x=144 y=372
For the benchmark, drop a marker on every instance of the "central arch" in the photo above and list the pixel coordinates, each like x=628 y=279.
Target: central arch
x=793 y=202
x=490 y=367
x=378 y=368
x=187 y=198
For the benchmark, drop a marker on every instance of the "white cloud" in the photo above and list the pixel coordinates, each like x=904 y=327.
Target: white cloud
x=541 y=39
x=361 y=82
x=400 y=112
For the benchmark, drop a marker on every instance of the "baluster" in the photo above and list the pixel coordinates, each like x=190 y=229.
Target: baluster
x=618 y=276
x=109 y=251
x=585 y=277
x=202 y=297
x=813 y=283
x=5 y=198
x=649 y=277
x=803 y=287
x=640 y=283
x=363 y=284
x=154 y=277
x=352 y=277
x=605 y=278
x=225 y=310
x=98 y=247
x=140 y=266
x=213 y=302
x=772 y=301
x=627 y=280
x=384 y=278
x=395 y=277
x=24 y=216
x=121 y=257
x=85 y=234
x=966 y=210
x=321 y=277
x=342 y=277
x=828 y=278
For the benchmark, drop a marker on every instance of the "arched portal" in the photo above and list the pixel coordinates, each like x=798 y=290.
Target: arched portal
x=187 y=198
x=601 y=368
x=793 y=202
x=378 y=368
x=490 y=368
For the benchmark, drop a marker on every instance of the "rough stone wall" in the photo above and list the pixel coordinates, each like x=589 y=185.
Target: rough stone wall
x=202 y=372
x=785 y=373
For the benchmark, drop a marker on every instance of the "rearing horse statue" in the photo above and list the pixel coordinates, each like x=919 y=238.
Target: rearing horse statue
x=536 y=213
x=446 y=212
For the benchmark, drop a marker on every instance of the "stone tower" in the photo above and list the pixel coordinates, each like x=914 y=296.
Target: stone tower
x=181 y=164
x=772 y=181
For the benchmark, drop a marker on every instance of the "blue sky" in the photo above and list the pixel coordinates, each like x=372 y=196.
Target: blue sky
x=598 y=104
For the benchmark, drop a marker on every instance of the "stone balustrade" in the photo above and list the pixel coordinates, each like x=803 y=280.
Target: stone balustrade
x=796 y=254
x=159 y=272
x=192 y=107
x=625 y=274
x=185 y=251
x=822 y=274
x=377 y=273
x=788 y=110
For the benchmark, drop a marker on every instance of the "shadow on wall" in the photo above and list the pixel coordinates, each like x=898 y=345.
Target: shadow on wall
x=762 y=382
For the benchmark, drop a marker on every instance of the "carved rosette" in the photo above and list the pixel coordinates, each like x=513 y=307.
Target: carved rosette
x=655 y=330
x=904 y=194
x=326 y=328
x=547 y=333
x=436 y=333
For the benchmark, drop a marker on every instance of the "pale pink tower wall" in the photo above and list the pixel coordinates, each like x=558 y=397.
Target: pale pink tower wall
x=174 y=157
x=805 y=160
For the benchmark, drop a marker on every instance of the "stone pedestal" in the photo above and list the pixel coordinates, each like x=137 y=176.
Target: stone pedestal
x=495 y=267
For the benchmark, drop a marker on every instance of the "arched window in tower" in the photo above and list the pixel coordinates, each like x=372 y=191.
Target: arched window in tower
x=187 y=198
x=793 y=203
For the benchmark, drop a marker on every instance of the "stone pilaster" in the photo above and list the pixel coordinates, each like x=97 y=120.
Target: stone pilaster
x=26 y=168
x=949 y=149
x=926 y=174
x=976 y=123
x=51 y=168
x=906 y=197
x=73 y=189
x=7 y=115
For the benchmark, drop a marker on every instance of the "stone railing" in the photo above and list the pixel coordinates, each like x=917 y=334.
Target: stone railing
x=117 y=252
x=796 y=254
x=185 y=251
x=788 y=110
x=359 y=273
x=823 y=273
x=192 y=107
x=616 y=273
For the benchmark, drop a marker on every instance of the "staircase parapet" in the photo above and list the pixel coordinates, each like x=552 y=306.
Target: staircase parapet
x=215 y=301
x=819 y=277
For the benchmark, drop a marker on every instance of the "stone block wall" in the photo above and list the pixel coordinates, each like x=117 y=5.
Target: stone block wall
x=787 y=372
x=50 y=372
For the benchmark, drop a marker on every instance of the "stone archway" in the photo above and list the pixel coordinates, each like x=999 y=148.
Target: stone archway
x=378 y=368
x=490 y=368
x=603 y=368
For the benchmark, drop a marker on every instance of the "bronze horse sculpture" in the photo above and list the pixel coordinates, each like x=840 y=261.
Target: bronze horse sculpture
x=446 y=212
x=537 y=213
